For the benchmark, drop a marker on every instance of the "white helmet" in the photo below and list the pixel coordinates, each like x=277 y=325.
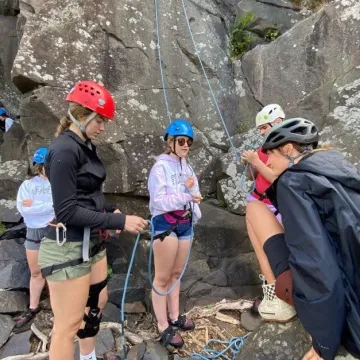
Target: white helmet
x=269 y=114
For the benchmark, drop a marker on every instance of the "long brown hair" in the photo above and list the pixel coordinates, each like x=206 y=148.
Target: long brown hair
x=77 y=111
x=35 y=170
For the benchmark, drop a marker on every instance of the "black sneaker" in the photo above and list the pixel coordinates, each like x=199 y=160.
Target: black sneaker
x=26 y=316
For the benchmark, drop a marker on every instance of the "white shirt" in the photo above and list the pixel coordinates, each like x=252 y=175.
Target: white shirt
x=41 y=211
x=8 y=124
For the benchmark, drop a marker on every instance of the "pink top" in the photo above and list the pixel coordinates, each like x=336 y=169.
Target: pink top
x=261 y=184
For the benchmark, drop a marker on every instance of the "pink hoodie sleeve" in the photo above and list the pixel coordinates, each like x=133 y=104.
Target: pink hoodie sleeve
x=159 y=198
x=195 y=190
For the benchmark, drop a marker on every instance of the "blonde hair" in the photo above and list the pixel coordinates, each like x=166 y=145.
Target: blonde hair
x=77 y=111
x=323 y=148
x=168 y=142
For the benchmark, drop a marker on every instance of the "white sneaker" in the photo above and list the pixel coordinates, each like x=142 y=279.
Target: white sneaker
x=271 y=307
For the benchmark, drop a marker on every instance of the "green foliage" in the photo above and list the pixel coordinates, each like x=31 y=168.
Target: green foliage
x=240 y=40
x=110 y=271
x=2 y=228
x=271 y=34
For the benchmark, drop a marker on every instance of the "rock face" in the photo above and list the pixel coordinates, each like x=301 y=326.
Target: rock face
x=317 y=72
x=14 y=270
x=280 y=342
x=12 y=174
x=124 y=57
x=276 y=341
x=312 y=70
x=6 y=326
x=117 y=47
x=13 y=301
x=9 y=39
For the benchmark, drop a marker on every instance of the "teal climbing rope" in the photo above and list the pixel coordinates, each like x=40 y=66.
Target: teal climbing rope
x=197 y=53
x=160 y=61
x=233 y=347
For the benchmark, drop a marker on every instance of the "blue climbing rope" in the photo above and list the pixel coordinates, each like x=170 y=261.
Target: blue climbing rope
x=244 y=178
x=233 y=346
x=248 y=167
x=160 y=61
x=209 y=85
x=122 y=309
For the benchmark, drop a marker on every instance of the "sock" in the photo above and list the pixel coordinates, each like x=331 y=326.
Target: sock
x=173 y=321
x=91 y=356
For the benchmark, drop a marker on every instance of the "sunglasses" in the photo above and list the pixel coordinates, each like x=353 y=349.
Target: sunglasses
x=182 y=141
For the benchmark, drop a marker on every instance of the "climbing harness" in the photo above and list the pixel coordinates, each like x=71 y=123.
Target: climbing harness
x=187 y=216
x=183 y=270
x=86 y=253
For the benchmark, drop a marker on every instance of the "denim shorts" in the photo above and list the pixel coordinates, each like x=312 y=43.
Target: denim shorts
x=182 y=232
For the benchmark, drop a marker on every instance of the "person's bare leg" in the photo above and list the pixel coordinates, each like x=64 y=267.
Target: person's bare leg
x=37 y=282
x=174 y=296
x=68 y=300
x=164 y=258
x=264 y=225
x=258 y=248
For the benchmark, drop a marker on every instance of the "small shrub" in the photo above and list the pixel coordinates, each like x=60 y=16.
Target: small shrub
x=271 y=34
x=2 y=228
x=110 y=271
x=240 y=40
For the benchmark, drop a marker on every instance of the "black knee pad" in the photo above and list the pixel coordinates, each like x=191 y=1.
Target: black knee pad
x=277 y=253
x=94 y=292
x=92 y=324
x=93 y=318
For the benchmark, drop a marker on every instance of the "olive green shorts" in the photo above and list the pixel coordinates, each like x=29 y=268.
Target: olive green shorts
x=51 y=253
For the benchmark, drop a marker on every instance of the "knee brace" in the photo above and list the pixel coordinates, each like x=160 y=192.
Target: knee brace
x=93 y=318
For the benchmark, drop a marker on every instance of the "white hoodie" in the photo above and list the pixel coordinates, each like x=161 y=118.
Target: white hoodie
x=167 y=188
x=41 y=211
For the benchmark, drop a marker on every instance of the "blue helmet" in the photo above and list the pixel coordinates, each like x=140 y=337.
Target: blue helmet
x=179 y=127
x=39 y=156
x=2 y=112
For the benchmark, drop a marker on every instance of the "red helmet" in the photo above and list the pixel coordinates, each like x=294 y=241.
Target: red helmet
x=93 y=96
